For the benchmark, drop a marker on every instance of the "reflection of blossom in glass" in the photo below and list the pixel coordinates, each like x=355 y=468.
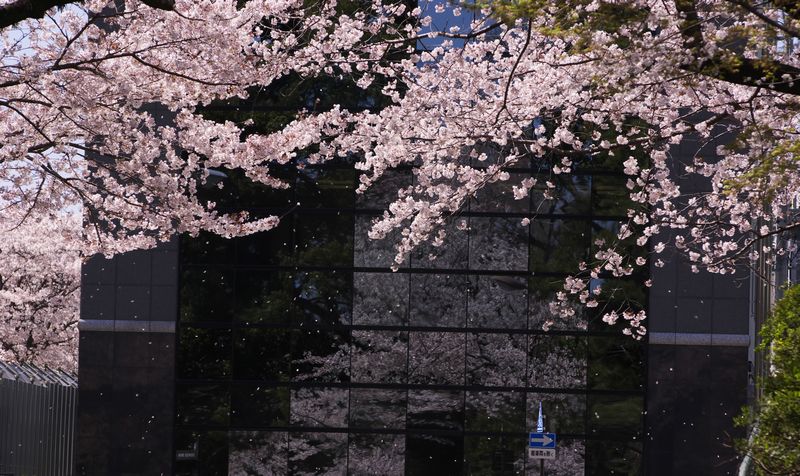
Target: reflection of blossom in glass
x=257 y=453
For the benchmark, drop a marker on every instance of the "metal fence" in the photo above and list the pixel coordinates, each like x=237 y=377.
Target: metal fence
x=37 y=421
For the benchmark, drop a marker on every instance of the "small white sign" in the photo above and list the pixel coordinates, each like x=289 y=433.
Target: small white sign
x=542 y=453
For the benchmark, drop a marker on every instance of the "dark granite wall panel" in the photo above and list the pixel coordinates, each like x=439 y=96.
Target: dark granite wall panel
x=127 y=379
x=694 y=392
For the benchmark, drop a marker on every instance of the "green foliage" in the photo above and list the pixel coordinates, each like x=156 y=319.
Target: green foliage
x=776 y=446
x=569 y=18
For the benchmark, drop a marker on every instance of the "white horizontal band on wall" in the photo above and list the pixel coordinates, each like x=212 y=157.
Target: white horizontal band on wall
x=111 y=325
x=688 y=338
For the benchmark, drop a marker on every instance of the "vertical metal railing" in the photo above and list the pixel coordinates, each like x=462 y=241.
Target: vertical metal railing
x=37 y=420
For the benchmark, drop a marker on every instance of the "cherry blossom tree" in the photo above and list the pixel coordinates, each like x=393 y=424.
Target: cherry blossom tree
x=103 y=101
x=39 y=282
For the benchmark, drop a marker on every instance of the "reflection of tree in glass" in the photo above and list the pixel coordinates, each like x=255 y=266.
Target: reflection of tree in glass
x=257 y=453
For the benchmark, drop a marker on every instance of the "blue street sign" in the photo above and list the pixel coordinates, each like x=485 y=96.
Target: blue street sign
x=542 y=440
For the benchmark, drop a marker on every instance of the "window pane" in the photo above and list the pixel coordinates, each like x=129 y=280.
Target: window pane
x=494 y=455
x=498 y=243
x=558 y=245
x=380 y=299
x=319 y=407
x=616 y=294
x=436 y=409
x=324 y=239
x=324 y=297
x=497 y=302
x=317 y=453
x=377 y=454
x=384 y=191
x=203 y=404
x=605 y=236
x=258 y=453
x=264 y=297
x=496 y=360
x=327 y=188
x=610 y=457
x=259 y=405
x=495 y=411
x=569 y=197
x=557 y=361
x=615 y=416
x=205 y=353
x=205 y=248
x=206 y=294
x=371 y=253
x=434 y=454
x=438 y=300
x=616 y=362
x=563 y=412
x=271 y=247
x=262 y=354
x=201 y=452
x=436 y=358
x=542 y=293
x=499 y=197
x=451 y=255
x=321 y=355
x=610 y=196
x=570 y=461
x=379 y=356
x=377 y=408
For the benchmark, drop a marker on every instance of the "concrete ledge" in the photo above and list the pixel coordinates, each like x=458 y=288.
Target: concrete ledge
x=110 y=325
x=687 y=338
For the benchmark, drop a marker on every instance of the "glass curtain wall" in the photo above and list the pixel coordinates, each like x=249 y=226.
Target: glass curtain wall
x=300 y=351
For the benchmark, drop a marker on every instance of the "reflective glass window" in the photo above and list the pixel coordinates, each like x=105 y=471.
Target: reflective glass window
x=379 y=356
x=496 y=360
x=377 y=408
x=258 y=453
x=495 y=411
x=372 y=454
x=435 y=410
x=206 y=294
x=497 y=302
x=556 y=361
x=319 y=407
x=616 y=362
x=568 y=196
x=374 y=253
x=439 y=300
x=321 y=355
x=323 y=297
x=498 y=243
x=259 y=405
x=380 y=299
x=558 y=245
x=495 y=455
x=434 y=454
x=450 y=255
x=207 y=405
x=262 y=354
x=498 y=197
x=564 y=413
x=265 y=297
x=206 y=353
x=324 y=239
x=317 y=453
x=436 y=358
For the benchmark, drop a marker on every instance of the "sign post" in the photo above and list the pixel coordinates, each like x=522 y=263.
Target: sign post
x=541 y=445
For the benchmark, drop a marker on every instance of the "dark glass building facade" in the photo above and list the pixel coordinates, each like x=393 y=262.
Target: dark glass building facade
x=299 y=351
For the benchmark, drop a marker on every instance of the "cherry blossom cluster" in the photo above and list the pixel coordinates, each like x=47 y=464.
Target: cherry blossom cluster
x=39 y=291
x=99 y=105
